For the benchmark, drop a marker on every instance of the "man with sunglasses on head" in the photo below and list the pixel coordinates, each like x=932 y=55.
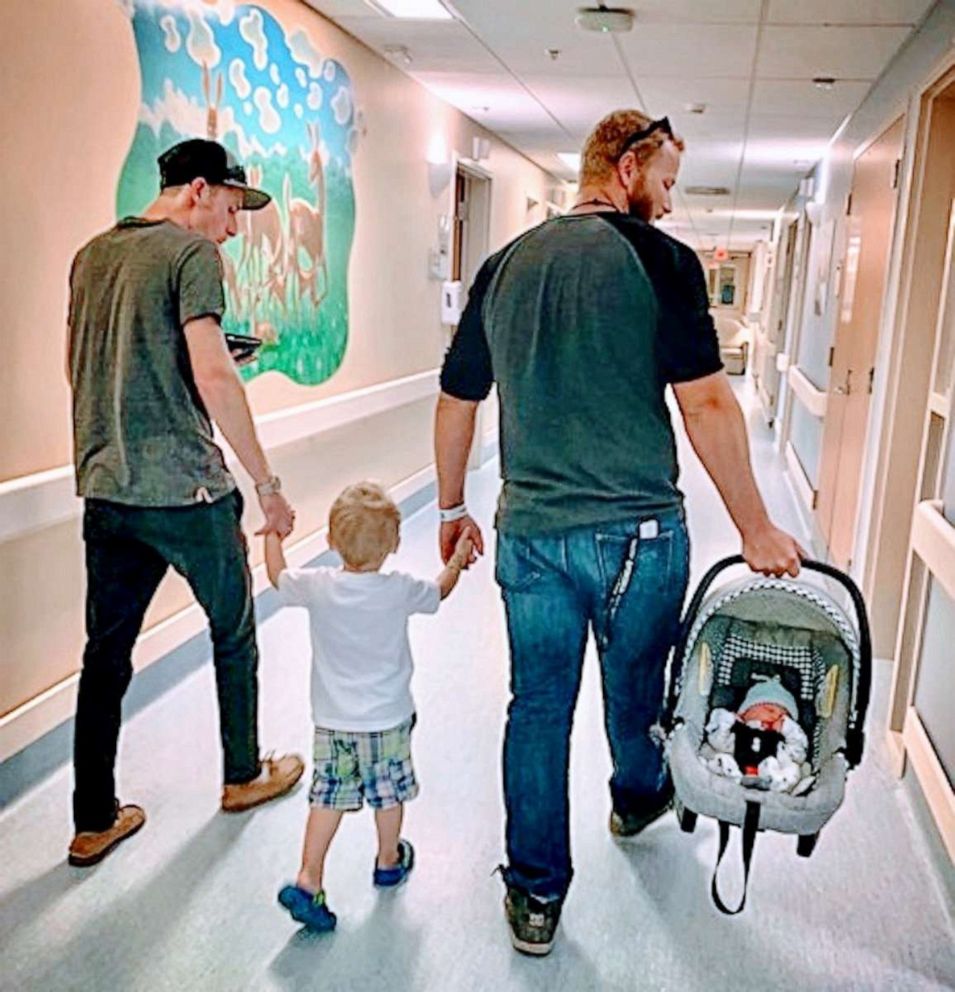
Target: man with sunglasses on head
x=583 y=322
x=150 y=371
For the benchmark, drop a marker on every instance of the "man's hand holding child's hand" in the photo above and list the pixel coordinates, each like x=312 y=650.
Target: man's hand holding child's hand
x=463 y=555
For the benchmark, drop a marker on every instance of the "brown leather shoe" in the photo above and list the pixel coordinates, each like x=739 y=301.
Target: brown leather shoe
x=277 y=777
x=90 y=847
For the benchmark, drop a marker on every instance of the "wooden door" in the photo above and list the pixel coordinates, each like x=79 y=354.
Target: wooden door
x=871 y=212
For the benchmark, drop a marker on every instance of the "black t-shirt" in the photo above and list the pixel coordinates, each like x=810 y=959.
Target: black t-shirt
x=582 y=322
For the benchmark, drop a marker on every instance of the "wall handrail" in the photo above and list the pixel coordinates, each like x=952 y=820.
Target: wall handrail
x=40 y=500
x=807 y=392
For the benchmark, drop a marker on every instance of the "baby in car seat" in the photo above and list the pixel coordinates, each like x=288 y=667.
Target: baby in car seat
x=761 y=746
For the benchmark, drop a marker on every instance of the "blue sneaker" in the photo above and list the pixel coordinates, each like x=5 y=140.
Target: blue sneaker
x=308 y=909
x=386 y=878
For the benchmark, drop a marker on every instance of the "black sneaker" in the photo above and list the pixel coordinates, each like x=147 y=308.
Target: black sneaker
x=630 y=824
x=533 y=921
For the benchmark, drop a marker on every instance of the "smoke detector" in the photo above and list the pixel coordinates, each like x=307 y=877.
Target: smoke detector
x=605 y=19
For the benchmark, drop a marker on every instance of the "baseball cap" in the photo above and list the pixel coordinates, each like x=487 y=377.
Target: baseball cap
x=199 y=157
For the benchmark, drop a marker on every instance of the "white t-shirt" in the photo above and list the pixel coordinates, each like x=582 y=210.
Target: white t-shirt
x=361 y=659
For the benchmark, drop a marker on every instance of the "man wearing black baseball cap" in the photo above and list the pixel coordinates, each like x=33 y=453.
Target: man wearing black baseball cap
x=198 y=158
x=150 y=372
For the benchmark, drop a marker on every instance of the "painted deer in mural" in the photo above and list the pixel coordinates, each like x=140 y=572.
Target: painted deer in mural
x=230 y=283
x=263 y=239
x=212 y=106
x=305 y=248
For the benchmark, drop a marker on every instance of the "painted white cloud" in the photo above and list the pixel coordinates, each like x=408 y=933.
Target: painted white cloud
x=240 y=84
x=172 y=38
x=274 y=74
x=329 y=71
x=247 y=107
x=225 y=9
x=301 y=77
x=200 y=44
x=186 y=117
x=315 y=96
x=281 y=96
x=341 y=105
x=303 y=51
x=299 y=111
x=182 y=112
x=250 y=27
x=269 y=119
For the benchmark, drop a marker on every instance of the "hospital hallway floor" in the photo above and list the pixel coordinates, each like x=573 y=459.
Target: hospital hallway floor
x=189 y=903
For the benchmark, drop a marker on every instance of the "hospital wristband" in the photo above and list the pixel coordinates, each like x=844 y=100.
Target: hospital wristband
x=453 y=513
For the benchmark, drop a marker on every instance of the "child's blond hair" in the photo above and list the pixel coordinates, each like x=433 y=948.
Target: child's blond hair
x=363 y=525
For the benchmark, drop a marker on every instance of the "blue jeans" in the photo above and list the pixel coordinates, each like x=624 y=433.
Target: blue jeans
x=556 y=588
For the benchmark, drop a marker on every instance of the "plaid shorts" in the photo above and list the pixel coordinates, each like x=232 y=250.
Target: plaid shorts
x=351 y=766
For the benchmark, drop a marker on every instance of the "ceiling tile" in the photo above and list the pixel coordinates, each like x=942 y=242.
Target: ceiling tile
x=800 y=98
x=697 y=51
x=693 y=11
x=434 y=46
x=580 y=102
x=843 y=53
x=848 y=11
x=669 y=95
x=342 y=8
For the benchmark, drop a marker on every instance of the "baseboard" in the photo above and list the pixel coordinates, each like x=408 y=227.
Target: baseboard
x=36 y=738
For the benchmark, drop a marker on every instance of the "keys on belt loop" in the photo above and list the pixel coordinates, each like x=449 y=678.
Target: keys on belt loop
x=647 y=531
x=621 y=585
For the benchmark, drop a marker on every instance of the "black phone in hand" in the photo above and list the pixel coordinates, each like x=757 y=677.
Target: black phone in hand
x=242 y=346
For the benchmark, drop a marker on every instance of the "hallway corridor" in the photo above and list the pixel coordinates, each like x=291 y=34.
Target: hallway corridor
x=190 y=902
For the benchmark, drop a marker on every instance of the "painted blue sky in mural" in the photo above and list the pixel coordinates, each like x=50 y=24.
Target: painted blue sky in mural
x=271 y=85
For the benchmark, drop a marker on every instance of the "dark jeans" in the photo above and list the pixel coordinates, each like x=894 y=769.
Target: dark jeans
x=128 y=550
x=556 y=588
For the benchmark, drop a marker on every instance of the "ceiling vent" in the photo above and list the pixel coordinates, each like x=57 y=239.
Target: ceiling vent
x=706 y=191
x=605 y=19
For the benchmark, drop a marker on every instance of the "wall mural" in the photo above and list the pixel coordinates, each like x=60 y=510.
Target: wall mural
x=229 y=71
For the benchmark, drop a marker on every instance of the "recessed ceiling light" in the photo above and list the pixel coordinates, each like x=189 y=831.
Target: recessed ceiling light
x=823 y=82
x=570 y=159
x=695 y=108
x=422 y=10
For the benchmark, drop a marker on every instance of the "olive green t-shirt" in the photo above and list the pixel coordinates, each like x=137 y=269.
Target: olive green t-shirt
x=582 y=322
x=141 y=433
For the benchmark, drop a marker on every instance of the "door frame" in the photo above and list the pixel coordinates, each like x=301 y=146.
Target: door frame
x=473 y=245
x=896 y=423
x=843 y=357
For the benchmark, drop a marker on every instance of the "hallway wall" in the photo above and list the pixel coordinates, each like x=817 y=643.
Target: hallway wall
x=890 y=476
x=891 y=96
x=70 y=76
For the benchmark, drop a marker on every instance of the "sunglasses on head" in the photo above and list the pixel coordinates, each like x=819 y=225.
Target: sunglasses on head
x=663 y=124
